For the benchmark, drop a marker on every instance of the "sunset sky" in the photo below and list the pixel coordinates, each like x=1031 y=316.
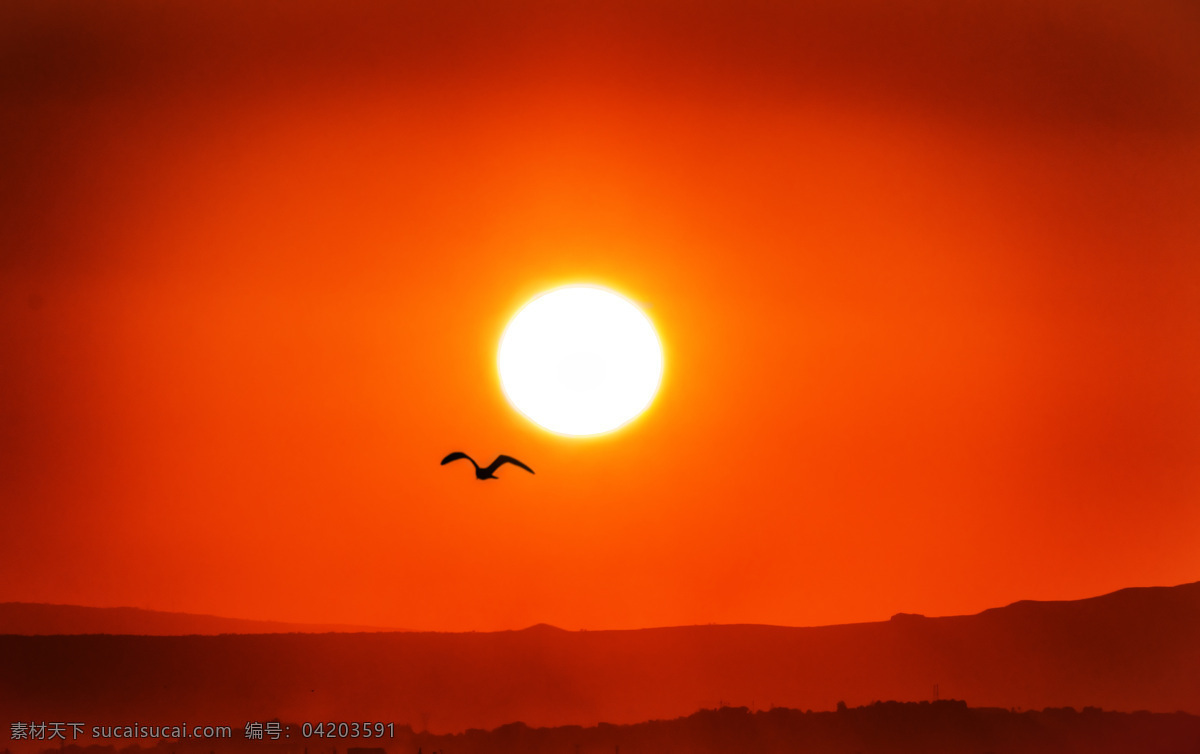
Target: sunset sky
x=927 y=280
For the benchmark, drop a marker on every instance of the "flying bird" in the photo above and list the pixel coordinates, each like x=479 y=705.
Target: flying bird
x=487 y=472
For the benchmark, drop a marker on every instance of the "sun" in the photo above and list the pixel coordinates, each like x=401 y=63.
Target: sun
x=580 y=360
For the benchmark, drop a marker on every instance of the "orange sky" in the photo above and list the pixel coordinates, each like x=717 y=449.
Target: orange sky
x=928 y=281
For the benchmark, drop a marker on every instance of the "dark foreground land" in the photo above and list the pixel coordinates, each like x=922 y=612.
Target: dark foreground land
x=948 y=727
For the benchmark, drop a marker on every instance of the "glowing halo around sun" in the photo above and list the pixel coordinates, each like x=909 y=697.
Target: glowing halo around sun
x=580 y=360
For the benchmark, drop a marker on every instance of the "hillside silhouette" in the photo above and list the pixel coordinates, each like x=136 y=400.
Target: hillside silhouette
x=1136 y=649
x=31 y=618
x=945 y=727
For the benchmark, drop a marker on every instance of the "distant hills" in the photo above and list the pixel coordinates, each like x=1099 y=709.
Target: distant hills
x=33 y=619
x=1130 y=650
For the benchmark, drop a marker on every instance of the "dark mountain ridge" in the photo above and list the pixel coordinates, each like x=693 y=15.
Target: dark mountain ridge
x=35 y=618
x=1130 y=650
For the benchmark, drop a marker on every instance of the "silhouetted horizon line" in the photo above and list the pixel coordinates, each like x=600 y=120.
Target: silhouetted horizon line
x=320 y=627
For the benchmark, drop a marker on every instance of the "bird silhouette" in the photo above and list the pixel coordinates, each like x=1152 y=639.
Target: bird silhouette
x=488 y=472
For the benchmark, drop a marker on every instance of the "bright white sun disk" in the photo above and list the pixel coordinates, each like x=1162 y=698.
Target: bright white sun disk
x=580 y=360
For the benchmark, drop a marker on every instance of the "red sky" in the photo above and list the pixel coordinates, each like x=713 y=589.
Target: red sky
x=927 y=280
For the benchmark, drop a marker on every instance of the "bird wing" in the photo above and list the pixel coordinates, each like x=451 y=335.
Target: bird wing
x=456 y=456
x=501 y=460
